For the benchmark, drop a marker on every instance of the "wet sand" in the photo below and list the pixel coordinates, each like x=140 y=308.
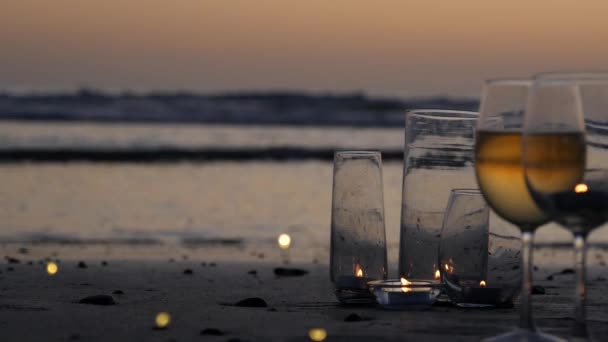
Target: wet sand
x=197 y=287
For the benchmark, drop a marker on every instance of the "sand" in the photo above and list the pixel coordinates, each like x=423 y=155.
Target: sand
x=35 y=306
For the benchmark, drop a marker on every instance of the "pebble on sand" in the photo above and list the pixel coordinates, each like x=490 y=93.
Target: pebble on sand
x=12 y=260
x=118 y=292
x=538 y=290
x=353 y=317
x=212 y=332
x=188 y=271
x=253 y=302
x=289 y=272
x=81 y=264
x=98 y=300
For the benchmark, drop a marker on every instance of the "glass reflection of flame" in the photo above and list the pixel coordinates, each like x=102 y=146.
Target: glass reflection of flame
x=437 y=275
x=482 y=283
x=358 y=271
x=405 y=283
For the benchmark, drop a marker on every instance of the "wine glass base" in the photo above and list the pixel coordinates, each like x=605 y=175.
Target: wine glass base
x=521 y=335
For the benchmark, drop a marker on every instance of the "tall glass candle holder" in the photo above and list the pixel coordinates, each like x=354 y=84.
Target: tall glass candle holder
x=438 y=158
x=358 y=238
x=479 y=261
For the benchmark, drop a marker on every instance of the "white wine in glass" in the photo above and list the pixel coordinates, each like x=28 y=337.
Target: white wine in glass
x=566 y=160
x=500 y=174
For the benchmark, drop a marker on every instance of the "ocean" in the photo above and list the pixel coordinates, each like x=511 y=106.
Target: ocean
x=185 y=202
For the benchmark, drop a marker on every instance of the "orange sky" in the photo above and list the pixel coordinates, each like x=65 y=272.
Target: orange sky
x=400 y=47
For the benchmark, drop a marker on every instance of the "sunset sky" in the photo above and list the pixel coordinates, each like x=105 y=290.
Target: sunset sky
x=382 y=47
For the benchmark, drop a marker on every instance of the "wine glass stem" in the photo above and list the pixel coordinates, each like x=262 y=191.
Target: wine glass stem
x=526 y=288
x=580 y=258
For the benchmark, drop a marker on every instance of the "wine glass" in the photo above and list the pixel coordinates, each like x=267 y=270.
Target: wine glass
x=566 y=159
x=500 y=174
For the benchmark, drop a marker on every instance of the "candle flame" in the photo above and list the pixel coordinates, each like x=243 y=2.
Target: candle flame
x=581 y=188
x=446 y=267
x=359 y=272
x=482 y=283
x=437 y=274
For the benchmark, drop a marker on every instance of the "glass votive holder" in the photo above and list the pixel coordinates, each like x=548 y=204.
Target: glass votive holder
x=358 y=240
x=479 y=258
x=402 y=294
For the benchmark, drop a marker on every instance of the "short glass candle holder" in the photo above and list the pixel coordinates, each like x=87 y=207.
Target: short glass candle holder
x=358 y=240
x=479 y=258
x=403 y=294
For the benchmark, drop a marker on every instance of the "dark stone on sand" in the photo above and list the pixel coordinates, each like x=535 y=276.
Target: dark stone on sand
x=185 y=257
x=23 y=250
x=600 y=278
x=81 y=264
x=538 y=290
x=212 y=332
x=30 y=263
x=188 y=271
x=272 y=310
x=253 y=272
x=171 y=260
x=104 y=263
x=12 y=260
x=204 y=264
x=549 y=277
x=535 y=268
x=118 y=292
x=98 y=300
x=253 y=302
x=567 y=271
x=261 y=256
x=212 y=264
x=10 y=268
x=353 y=317
x=289 y=272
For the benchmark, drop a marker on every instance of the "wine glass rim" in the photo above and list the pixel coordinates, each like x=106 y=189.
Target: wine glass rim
x=509 y=81
x=443 y=113
x=357 y=153
x=574 y=75
x=465 y=191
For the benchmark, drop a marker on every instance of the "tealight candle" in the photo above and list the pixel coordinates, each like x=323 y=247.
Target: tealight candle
x=353 y=289
x=480 y=295
x=405 y=294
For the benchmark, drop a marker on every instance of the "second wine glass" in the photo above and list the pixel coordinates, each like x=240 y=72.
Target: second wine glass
x=566 y=160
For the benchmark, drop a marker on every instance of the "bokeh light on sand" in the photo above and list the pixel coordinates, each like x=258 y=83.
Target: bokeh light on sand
x=284 y=241
x=162 y=320
x=581 y=188
x=317 y=334
x=52 y=268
